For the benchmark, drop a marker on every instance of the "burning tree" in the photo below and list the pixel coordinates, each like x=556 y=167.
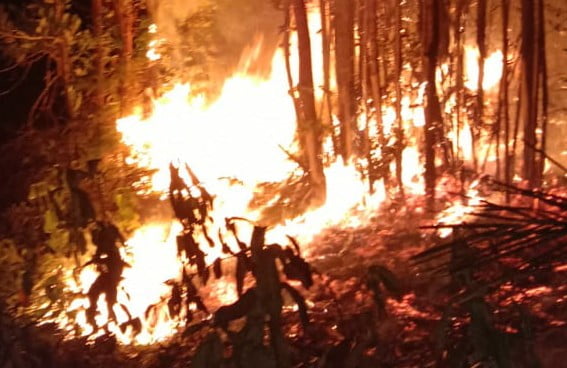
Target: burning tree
x=367 y=108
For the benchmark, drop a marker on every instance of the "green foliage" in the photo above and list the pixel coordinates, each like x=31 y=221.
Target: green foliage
x=47 y=30
x=191 y=51
x=126 y=216
x=11 y=266
x=67 y=208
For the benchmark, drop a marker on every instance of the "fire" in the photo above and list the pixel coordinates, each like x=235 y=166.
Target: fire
x=234 y=143
x=493 y=66
x=460 y=210
x=151 y=255
x=153 y=53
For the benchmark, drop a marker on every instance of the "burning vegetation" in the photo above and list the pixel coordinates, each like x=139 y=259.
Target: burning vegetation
x=296 y=183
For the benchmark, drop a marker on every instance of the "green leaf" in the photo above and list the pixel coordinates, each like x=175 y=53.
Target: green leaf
x=38 y=190
x=50 y=221
x=59 y=241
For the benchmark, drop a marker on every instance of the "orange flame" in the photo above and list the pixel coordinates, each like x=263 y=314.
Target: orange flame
x=238 y=136
x=493 y=66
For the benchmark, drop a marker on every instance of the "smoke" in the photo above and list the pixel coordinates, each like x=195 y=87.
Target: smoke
x=237 y=25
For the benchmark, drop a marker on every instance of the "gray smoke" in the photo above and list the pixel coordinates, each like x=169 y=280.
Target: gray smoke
x=238 y=22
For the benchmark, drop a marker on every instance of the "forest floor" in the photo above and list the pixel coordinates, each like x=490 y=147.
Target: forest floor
x=346 y=329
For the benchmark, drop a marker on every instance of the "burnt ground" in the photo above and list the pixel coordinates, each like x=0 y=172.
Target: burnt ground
x=415 y=327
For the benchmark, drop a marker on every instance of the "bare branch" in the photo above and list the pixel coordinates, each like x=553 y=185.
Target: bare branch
x=42 y=96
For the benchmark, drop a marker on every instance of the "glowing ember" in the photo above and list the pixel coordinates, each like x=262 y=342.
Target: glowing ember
x=458 y=212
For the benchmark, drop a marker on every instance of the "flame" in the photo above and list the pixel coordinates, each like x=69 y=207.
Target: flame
x=493 y=66
x=153 y=54
x=459 y=211
x=151 y=254
x=232 y=144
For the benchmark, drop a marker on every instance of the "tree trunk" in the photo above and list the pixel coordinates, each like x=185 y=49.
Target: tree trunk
x=124 y=10
x=505 y=99
x=398 y=85
x=529 y=86
x=430 y=16
x=374 y=67
x=327 y=105
x=310 y=134
x=458 y=34
x=542 y=71
x=344 y=59
x=375 y=75
x=287 y=57
x=481 y=44
x=99 y=62
x=269 y=294
x=64 y=66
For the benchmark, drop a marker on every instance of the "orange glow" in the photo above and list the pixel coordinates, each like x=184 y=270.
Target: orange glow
x=232 y=144
x=151 y=253
x=459 y=211
x=239 y=136
x=492 y=69
x=153 y=54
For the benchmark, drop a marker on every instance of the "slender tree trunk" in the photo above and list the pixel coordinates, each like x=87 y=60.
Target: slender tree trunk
x=458 y=34
x=542 y=71
x=96 y=6
x=327 y=104
x=505 y=99
x=430 y=11
x=64 y=66
x=481 y=43
x=124 y=10
x=374 y=67
x=516 y=130
x=398 y=85
x=287 y=55
x=269 y=295
x=365 y=86
x=528 y=54
x=309 y=128
x=374 y=72
x=344 y=59
x=374 y=80
x=458 y=31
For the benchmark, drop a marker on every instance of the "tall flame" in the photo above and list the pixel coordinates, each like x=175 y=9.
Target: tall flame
x=232 y=143
x=493 y=66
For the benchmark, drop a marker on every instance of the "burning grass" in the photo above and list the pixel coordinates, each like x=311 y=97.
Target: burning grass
x=344 y=321
x=365 y=302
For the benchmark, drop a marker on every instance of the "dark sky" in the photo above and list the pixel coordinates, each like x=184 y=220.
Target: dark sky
x=16 y=96
x=19 y=87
